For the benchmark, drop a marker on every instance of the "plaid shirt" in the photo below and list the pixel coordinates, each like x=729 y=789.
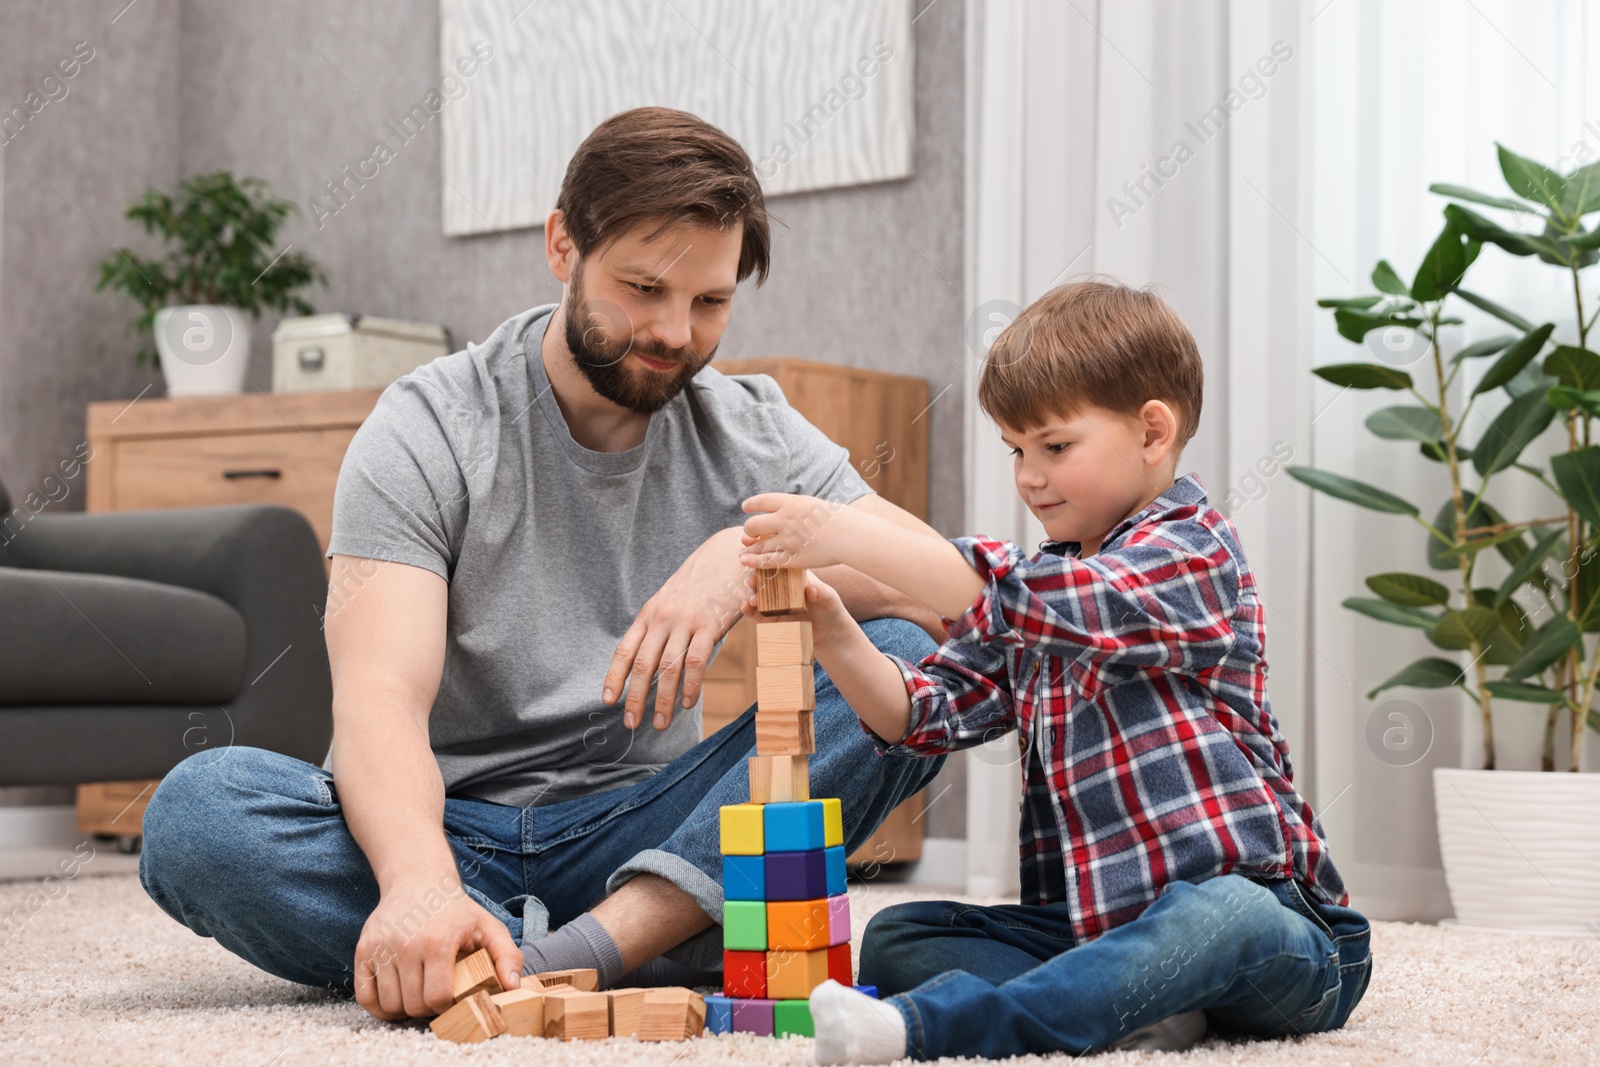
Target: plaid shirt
x=1136 y=682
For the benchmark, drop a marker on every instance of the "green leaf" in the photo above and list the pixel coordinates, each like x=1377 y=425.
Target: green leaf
x=1548 y=644
x=1578 y=476
x=1532 y=181
x=1435 y=451
x=1461 y=192
x=1409 y=590
x=1384 y=611
x=1406 y=424
x=1483 y=348
x=1457 y=630
x=1523 y=692
x=1445 y=557
x=1585 y=240
x=1583 y=191
x=1504 y=314
x=1360 y=303
x=1514 y=359
x=1428 y=673
x=1513 y=241
x=1444 y=265
x=1518 y=423
x=1527 y=565
x=1364 y=376
x=1576 y=368
x=1354 y=324
x=1563 y=398
x=1387 y=281
x=1583 y=591
x=1352 y=491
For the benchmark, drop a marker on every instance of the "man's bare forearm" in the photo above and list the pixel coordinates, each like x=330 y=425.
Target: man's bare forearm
x=391 y=792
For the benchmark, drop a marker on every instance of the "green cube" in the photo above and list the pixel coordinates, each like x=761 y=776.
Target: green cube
x=744 y=925
x=792 y=1017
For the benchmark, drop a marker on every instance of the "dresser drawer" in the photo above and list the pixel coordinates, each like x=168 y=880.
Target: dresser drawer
x=295 y=468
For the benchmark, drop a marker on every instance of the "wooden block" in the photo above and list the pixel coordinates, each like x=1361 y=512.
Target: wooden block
x=476 y=1018
x=627 y=1006
x=786 y=733
x=523 y=1011
x=475 y=971
x=573 y=1014
x=780 y=644
x=785 y=687
x=793 y=975
x=775 y=779
x=581 y=978
x=672 y=1014
x=781 y=592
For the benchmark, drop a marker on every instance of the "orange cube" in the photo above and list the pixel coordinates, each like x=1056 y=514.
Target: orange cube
x=798 y=925
x=793 y=975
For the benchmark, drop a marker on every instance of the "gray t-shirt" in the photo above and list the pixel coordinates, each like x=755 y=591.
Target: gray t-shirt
x=466 y=468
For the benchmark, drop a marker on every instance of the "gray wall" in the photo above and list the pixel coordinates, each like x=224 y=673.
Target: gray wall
x=293 y=91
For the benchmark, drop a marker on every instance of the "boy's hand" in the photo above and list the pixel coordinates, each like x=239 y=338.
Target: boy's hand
x=828 y=615
x=788 y=530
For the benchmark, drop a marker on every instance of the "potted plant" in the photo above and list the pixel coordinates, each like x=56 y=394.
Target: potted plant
x=1520 y=848
x=222 y=261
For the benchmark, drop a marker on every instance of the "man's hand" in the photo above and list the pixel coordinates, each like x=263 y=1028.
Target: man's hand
x=676 y=631
x=788 y=530
x=406 y=959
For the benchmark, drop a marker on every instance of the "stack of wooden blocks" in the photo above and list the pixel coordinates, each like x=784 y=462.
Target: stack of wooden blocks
x=786 y=915
x=565 y=1005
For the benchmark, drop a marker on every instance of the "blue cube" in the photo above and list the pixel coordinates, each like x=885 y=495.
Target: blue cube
x=793 y=826
x=719 y=1015
x=744 y=878
x=833 y=861
x=869 y=990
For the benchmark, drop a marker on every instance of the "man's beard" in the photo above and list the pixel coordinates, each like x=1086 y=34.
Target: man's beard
x=601 y=338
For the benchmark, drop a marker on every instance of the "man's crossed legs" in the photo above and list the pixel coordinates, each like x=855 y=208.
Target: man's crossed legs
x=251 y=847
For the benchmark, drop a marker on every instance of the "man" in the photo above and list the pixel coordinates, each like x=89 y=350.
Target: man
x=534 y=556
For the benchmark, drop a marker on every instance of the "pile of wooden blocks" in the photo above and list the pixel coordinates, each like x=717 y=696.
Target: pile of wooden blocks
x=786 y=915
x=565 y=1005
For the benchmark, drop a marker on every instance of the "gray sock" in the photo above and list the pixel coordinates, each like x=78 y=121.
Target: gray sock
x=583 y=942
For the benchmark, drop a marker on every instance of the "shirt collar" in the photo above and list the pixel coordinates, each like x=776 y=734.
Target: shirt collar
x=1185 y=491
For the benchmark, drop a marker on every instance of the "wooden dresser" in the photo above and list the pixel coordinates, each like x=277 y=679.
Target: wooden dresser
x=286 y=448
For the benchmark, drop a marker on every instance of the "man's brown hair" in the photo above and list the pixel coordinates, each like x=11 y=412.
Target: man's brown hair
x=656 y=164
x=1096 y=343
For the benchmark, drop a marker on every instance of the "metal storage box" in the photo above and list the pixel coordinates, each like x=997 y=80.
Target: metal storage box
x=318 y=353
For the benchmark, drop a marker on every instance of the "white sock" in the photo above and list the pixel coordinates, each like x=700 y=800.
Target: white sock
x=853 y=1028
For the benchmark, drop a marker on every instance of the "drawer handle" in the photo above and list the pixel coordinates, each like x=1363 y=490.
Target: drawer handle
x=312 y=357
x=266 y=473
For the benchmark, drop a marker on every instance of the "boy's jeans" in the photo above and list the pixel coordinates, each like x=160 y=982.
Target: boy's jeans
x=251 y=847
x=1260 y=959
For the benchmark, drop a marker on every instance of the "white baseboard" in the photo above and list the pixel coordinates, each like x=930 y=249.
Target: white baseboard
x=52 y=824
x=1395 y=892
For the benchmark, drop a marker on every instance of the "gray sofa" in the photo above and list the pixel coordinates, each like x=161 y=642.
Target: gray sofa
x=130 y=640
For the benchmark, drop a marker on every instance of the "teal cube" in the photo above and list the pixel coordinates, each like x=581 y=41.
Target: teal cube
x=744 y=925
x=793 y=1017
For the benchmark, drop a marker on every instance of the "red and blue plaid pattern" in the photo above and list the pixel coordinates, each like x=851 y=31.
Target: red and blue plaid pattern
x=1136 y=680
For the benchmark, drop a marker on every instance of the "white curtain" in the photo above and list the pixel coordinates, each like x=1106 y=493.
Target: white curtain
x=1247 y=157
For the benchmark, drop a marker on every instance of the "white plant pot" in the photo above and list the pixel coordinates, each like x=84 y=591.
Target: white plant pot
x=1521 y=849
x=205 y=349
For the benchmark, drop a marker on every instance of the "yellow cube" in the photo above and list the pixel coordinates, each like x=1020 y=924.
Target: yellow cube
x=742 y=830
x=832 y=822
x=793 y=975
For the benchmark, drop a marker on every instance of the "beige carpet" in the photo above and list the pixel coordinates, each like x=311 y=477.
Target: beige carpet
x=101 y=976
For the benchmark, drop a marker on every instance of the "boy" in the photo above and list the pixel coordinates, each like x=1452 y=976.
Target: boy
x=1171 y=874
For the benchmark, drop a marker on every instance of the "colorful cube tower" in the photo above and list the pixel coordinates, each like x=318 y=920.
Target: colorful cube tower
x=786 y=918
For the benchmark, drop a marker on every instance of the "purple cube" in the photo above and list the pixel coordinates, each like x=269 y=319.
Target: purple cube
x=797 y=875
x=752 y=1016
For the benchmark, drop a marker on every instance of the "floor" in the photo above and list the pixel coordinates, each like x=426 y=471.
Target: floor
x=94 y=973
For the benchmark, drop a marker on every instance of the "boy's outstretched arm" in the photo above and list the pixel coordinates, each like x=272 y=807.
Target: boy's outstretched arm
x=787 y=530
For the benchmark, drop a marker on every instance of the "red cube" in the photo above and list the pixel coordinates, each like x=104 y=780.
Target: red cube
x=744 y=974
x=839 y=965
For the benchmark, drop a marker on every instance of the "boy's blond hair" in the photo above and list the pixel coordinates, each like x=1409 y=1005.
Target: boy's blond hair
x=1096 y=343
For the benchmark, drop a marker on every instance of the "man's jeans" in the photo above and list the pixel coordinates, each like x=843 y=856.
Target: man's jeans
x=251 y=847
x=1261 y=959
